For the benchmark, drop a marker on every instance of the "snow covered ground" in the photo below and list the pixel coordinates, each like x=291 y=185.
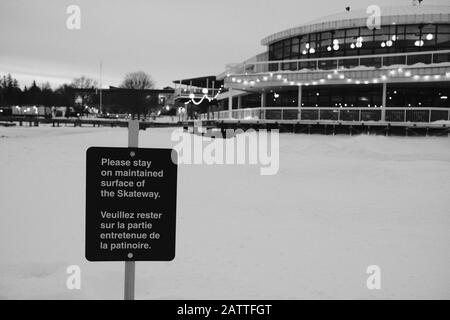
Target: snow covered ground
x=337 y=205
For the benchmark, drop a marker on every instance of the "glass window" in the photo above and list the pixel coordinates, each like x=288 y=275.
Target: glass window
x=278 y=51
x=363 y=41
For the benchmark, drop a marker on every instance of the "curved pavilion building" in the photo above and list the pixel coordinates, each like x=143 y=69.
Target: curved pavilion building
x=347 y=67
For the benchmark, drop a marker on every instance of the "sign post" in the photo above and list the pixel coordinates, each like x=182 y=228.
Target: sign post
x=130 y=205
x=130 y=266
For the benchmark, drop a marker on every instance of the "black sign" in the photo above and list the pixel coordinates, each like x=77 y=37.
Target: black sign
x=130 y=204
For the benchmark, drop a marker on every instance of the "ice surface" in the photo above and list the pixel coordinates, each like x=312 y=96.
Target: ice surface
x=337 y=205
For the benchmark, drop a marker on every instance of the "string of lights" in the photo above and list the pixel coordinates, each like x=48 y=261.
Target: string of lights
x=337 y=75
x=205 y=96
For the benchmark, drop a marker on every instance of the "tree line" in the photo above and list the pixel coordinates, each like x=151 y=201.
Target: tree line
x=66 y=94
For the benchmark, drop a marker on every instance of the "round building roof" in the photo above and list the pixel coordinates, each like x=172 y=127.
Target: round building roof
x=358 y=18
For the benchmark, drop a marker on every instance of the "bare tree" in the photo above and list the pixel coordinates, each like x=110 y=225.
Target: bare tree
x=137 y=80
x=84 y=82
x=85 y=96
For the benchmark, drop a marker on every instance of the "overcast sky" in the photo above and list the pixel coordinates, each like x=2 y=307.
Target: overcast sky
x=169 y=39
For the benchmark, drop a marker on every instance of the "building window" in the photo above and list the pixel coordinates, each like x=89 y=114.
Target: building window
x=361 y=41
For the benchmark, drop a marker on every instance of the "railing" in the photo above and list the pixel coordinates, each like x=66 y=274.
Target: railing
x=342 y=63
x=426 y=115
x=198 y=92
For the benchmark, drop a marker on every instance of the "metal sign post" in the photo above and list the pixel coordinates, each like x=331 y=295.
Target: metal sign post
x=130 y=267
x=130 y=205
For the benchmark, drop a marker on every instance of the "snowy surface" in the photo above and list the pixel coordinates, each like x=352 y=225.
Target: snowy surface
x=337 y=205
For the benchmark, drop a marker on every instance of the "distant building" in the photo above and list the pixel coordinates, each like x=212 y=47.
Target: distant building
x=139 y=102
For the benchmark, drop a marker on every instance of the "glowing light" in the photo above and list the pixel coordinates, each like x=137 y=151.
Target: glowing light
x=359 y=44
x=329 y=76
x=329 y=48
x=427 y=77
x=389 y=43
x=265 y=78
x=322 y=80
x=205 y=91
x=383 y=77
x=335 y=41
x=357 y=82
x=416 y=77
x=352 y=45
x=191 y=96
x=429 y=36
x=418 y=43
x=304 y=52
x=394 y=37
x=279 y=76
x=312 y=50
x=383 y=44
x=307 y=46
x=437 y=76
x=341 y=76
x=336 y=47
x=408 y=73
